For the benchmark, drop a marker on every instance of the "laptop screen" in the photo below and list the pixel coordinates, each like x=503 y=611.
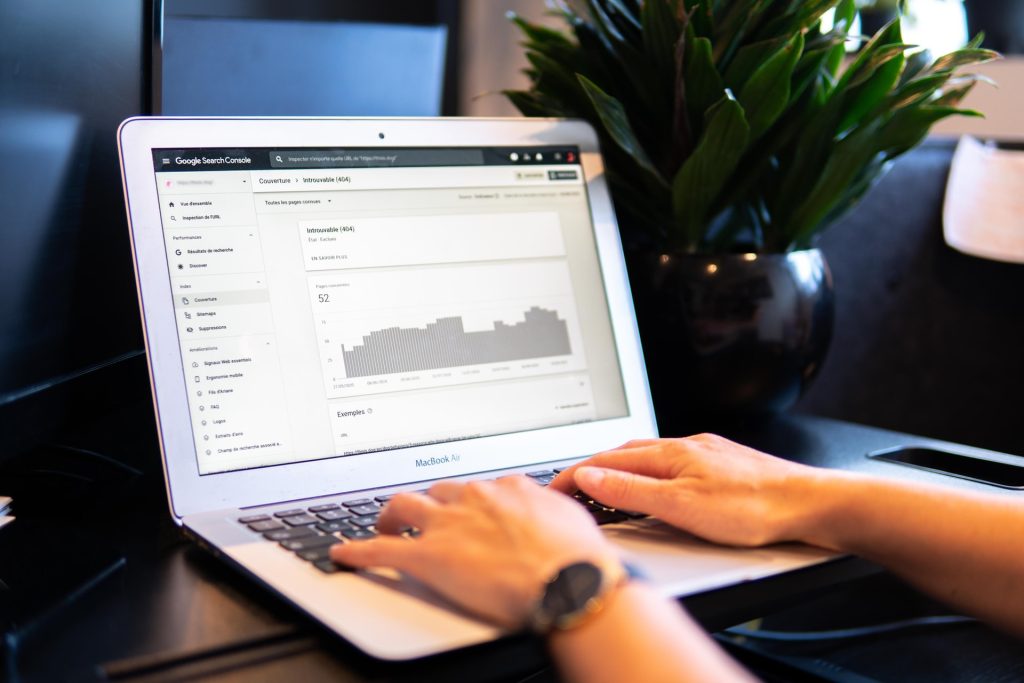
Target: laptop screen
x=333 y=302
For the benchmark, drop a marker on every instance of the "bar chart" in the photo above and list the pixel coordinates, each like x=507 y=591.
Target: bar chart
x=445 y=343
x=420 y=328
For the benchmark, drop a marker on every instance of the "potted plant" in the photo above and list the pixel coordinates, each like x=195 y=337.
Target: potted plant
x=733 y=132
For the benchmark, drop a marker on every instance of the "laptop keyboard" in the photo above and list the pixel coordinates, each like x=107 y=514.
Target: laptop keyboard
x=310 y=532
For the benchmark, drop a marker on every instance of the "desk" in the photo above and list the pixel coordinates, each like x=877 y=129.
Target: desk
x=170 y=598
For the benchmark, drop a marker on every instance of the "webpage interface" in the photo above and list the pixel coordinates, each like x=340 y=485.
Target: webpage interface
x=348 y=301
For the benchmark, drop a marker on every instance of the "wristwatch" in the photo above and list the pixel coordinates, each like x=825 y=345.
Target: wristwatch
x=574 y=593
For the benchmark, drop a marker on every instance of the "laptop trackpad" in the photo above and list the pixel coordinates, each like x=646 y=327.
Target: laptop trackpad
x=678 y=564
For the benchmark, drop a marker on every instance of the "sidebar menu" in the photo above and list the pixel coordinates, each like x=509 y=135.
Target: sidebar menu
x=225 y=326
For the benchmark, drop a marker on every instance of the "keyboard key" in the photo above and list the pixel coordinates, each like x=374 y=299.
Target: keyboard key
x=266 y=525
x=364 y=520
x=309 y=542
x=289 y=513
x=364 y=510
x=285 y=534
x=359 y=534
x=357 y=502
x=540 y=474
x=301 y=519
x=607 y=516
x=315 y=554
x=384 y=499
x=334 y=515
x=558 y=470
x=327 y=567
x=324 y=508
x=333 y=527
x=252 y=519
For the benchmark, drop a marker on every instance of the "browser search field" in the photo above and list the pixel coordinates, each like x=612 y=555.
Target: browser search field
x=314 y=180
x=379 y=158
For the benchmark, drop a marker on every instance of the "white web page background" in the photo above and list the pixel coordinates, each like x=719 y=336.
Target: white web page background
x=264 y=391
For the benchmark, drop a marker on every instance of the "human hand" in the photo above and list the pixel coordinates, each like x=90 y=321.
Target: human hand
x=488 y=546
x=706 y=485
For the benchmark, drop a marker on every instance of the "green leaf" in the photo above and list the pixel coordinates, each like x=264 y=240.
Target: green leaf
x=864 y=97
x=847 y=160
x=531 y=104
x=542 y=37
x=701 y=16
x=916 y=91
x=739 y=20
x=889 y=38
x=845 y=13
x=616 y=123
x=917 y=62
x=953 y=95
x=909 y=126
x=766 y=95
x=702 y=177
x=749 y=59
x=962 y=58
x=704 y=85
x=660 y=28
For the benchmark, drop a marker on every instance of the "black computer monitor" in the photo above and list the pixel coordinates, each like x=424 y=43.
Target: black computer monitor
x=306 y=58
x=69 y=73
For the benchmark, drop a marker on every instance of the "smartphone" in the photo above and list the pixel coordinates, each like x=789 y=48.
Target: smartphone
x=959 y=465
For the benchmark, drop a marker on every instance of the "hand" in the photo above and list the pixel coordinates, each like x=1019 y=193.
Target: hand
x=706 y=485
x=488 y=546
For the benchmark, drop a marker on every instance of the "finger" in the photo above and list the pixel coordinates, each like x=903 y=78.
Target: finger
x=623 y=490
x=398 y=553
x=646 y=460
x=407 y=509
x=637 y=443
x=447 y=491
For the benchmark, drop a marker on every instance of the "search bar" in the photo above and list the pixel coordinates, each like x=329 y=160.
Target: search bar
x=376 y=158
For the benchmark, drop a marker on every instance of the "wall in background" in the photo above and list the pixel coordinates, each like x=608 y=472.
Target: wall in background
x=492 y=59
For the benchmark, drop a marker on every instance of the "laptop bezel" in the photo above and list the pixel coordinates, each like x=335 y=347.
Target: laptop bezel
x=188 y=491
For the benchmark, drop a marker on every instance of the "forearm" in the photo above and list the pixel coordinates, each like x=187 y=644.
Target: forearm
x=962 y=548
x=639 y=636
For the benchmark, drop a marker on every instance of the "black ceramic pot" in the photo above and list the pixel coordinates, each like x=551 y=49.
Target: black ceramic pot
x=731 y=335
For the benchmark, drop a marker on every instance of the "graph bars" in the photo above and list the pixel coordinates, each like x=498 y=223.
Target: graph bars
x=445 y=344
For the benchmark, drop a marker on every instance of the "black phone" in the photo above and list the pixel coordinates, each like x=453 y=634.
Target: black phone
x=990 y=472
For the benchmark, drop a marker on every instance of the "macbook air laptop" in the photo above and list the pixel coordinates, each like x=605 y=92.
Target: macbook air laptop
x=336 y=310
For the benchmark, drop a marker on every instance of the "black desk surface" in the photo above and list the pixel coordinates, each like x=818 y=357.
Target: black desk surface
x=170 y=600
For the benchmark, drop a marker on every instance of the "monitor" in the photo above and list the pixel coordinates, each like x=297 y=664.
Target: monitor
x=306 y=58
x=69 y=73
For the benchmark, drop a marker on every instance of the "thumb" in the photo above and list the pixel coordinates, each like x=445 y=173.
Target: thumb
x=618 y=489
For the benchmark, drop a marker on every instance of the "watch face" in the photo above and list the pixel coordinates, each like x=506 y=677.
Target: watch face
x=571 y=590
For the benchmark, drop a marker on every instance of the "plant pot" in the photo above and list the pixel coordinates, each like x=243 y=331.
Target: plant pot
x=731 y=335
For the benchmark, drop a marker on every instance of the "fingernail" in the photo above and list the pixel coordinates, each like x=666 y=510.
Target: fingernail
x=589 y=476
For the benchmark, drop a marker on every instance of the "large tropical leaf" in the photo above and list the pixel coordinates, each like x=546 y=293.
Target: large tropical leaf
x=693 y=167
x=616 y=124
x=707 y=170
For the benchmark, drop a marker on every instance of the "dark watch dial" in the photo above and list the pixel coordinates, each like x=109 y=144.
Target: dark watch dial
x=571 y=590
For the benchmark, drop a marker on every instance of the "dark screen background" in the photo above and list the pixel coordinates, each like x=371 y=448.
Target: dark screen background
x=69 y=73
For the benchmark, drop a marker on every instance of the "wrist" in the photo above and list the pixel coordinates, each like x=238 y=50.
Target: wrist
x=823 y=501
x=575 y=593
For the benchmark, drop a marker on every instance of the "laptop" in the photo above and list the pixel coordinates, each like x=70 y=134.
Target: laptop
x=336 y=310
